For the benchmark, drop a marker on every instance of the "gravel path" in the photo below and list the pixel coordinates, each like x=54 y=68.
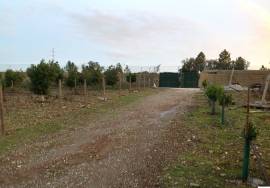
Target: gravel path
x=127 y=148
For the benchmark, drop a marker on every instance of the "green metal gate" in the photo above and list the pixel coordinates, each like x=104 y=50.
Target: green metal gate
x=189 y=79
x=169 y=79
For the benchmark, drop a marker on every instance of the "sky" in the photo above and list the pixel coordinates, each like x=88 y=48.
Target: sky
x=138 y=33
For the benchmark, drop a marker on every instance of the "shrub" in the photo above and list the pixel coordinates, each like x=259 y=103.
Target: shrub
x=204 y=84
x=132 y=76
x=42 y=75
x=15 y=77
x=111 y=75
x=213 y=92
x=92 y=72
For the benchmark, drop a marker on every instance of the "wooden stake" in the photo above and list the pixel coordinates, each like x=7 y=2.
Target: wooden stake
x=120 y=82
x=84 y=87
x=130 y=83
x=60 y=88
x=104 y=86
x=144 y=81
x=2 y=111
x=75 y=86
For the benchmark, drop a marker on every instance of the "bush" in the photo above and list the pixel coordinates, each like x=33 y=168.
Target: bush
x=13 y=76
x=112 y=74
x=42 y=76
x=92 y=72
x=204 y=84
x=213 y=92
x=132 y=76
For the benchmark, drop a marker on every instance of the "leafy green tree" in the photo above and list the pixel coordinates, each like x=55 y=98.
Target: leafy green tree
x=224 y=101
x=188 y=65
x=224 y=60
x=240 y=64
x=43 y=75
x=13 y=77
x=213 y=92
x=92 y=72
x=56 y=72
x=131 y=76
x=72 y=74
x=200 y=62
x=111 y=75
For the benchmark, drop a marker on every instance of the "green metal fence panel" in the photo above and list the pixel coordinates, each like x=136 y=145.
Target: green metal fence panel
x=169 y=79
x=189 y=79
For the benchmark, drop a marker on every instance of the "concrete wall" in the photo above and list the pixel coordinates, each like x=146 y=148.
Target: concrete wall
x=244 y=78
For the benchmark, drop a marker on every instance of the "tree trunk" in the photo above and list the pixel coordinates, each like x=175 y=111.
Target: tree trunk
x=213 y=108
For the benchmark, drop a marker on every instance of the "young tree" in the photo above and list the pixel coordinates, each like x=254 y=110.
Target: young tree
x=131 y=77
x=224 y=100
x=92 y=72
x=72 y=74
x=13 y=78
x=42 y=75
x=111 y=75
x=213 y=92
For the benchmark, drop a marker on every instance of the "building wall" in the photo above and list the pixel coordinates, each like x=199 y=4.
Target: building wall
x=244 y=78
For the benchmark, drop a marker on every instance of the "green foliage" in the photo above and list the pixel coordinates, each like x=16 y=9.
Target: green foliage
x=213 y=92
x=43 y=75
x=204 y=84
x=16 y=77
x=224 y=62
x=194 y=64
x=92 y=72
x=111 y=74
x=72 y=74
x=225 y=99
x=252 y=132
x=240 y=64
x=131 y=76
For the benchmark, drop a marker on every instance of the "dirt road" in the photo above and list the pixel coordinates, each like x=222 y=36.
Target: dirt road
x=125 y=148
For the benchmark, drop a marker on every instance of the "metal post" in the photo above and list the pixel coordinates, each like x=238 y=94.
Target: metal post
x=246 y=144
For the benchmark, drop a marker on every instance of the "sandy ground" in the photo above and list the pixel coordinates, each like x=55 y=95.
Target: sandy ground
x=128 y=148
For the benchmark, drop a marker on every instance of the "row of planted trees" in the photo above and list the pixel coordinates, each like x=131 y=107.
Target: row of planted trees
x=42 y=76
x=215 y=94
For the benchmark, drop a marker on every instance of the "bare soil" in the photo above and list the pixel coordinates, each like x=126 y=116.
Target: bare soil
x=126 y=148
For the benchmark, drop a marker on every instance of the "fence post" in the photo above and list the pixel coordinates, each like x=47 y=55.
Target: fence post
x=75 y=86
x=130 y=83
x=12 y=84
x=149 y=82
x=120 y=82
x=2 y=111
x=60 y=88
x=144 y=81
x=84 y=87
x=139 y=81
x=104 y=86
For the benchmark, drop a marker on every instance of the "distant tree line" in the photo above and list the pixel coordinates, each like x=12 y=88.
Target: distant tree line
x=224 y=62
x=43 y=75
